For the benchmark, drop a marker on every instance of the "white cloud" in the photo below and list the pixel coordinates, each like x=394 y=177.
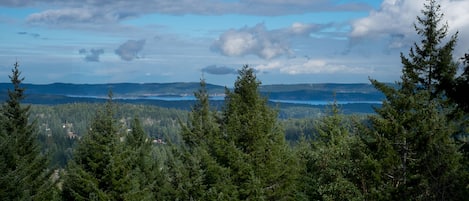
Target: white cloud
x=259 y=41
x=394 y=16
x=251 y=40
x=234 y=43
x=269 y=66
x=397 y=17
x=310 y=66
x=71 y=15
x=302 y=28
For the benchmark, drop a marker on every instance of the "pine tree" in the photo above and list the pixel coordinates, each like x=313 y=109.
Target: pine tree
x=24 y=173
x=332 y=162
x=207 y=179
x=411 y=138
x=254 y=144
x=201 y=125
x=90 y=175
x=141 y=173
x=430 y=65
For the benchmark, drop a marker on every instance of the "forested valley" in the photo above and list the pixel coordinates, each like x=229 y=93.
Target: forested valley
x=414 y=147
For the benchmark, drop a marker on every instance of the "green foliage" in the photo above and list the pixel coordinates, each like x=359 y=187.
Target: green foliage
x=205 y=178
x=411 y=138
x=237 y=154
x=332 y=160
x=458 y=94
x=406 y=151
x=201 y=122
x=113 y=164
x=141 y=170
x=23 y=173
x=255 y=148
x=60 y=126
x=90 y=174
x=430 y=65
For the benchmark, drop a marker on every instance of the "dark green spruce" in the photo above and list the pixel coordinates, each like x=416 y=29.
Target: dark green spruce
x=332 y=160
x=24 y=173
x=411 y=137
x=254 y=146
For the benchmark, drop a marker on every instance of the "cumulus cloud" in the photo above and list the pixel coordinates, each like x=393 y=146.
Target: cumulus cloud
x=394 y=16
x=92 y=55
x=261 y=42
x=130 y=50
x=310 y=66
x=395 y=19
x=218 y=70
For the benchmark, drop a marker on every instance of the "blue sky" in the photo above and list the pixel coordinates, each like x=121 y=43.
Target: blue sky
x=143 y=41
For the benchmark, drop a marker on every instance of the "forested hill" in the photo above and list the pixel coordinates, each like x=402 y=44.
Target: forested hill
x=323 y=92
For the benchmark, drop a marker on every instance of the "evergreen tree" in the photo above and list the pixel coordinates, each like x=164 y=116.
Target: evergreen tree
x=91 y=174
x=461 y=87
x=430 y=65
x=254 y=146
x=411 y=138
x=24 y=173
x=333 y=161
x=207 y=179
x=141 y=175
x=201 y=125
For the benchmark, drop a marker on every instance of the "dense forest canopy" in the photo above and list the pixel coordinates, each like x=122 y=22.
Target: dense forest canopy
x=414 y=147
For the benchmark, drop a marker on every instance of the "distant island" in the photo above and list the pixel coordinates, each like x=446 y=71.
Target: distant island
x=180 y=94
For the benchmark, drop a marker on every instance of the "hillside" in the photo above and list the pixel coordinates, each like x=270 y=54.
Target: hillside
x=344 y=92
x=360 y=97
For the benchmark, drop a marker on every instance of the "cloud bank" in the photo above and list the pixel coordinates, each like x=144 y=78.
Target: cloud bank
x=310 y=66
x=130 y=50
x=93 y=14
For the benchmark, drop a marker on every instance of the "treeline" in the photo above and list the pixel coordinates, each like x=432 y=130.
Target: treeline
x=59 y=127
x=414 y=148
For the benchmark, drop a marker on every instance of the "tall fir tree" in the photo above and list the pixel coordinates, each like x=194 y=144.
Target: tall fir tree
x=201 y=125
x=332 y=160
x=136 y=169
x=254 y=144
x=96 y=172
x=24 y=173
x=411 y=138
x=201 y=136
x=430 y=65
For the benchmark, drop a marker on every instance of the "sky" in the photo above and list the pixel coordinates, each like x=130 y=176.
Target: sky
x=161 y=41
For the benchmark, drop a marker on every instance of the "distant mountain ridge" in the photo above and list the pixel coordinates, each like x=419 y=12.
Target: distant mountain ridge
x=326 y=92
x=355 y=98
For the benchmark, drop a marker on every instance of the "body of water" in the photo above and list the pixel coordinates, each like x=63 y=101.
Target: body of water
x=219 y=98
